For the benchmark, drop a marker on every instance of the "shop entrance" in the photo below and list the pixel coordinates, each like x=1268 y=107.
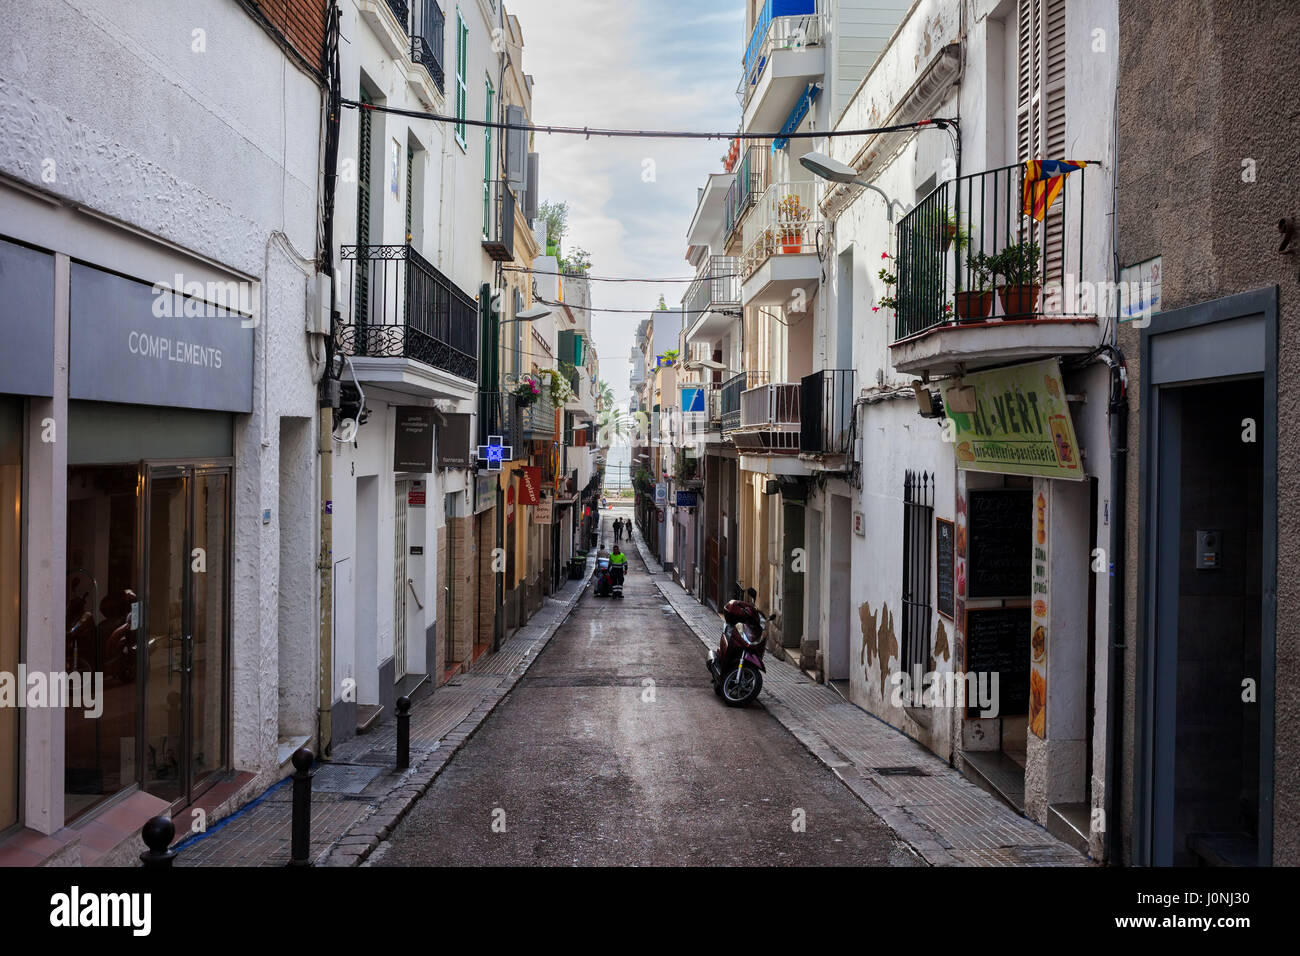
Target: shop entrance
x=148 y=608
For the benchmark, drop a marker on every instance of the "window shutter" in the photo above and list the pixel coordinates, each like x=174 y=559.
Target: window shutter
x=1027 y=87
x=1053 y=99
x=530 y=190
x=516 y=149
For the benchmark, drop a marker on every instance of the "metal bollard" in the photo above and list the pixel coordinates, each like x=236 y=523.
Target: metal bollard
x=158 y=834
x=302 y=759
x=403 y=732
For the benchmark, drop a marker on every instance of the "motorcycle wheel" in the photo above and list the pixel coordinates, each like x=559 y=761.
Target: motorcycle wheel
x=741 y=686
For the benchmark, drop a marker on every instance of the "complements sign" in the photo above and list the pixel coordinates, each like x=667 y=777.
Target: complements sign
x=544 y=511
x=1021 y=423
x=413 y=439
x=132 y=344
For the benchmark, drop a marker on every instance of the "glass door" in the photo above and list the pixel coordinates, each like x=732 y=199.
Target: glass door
x=186 y=541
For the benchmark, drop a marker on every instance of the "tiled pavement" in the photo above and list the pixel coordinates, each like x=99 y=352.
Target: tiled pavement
x=346 y=827
x=944 y=817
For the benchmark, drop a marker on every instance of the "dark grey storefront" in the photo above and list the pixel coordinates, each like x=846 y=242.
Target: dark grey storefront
x=1207 y=597
x=155 y=382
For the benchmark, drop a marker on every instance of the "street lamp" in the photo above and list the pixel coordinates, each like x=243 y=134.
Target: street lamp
x=825 y=167
x=529 y=315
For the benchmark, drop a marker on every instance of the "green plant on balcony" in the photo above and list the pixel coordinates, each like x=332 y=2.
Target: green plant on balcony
x=577 y=262
x=688 y=466
x=669 y=357
x=1017 y=264
x=977 y=301
x=791 y=215
x=561 y=387
x=643 y=481
x=527 y=391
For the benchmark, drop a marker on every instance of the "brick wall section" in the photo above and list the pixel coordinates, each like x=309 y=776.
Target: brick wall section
x=300 y=23
x=464 y=599
x=440 y=629
x=486 y=585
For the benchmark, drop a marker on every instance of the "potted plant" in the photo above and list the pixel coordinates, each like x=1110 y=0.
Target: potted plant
x=976 y=303
x=527 y=391
x=791 y=216
x=1017 y=264
x=669 y=358
x=953 y=232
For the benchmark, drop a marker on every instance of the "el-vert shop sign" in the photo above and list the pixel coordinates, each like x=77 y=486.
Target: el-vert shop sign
x=1021 y=423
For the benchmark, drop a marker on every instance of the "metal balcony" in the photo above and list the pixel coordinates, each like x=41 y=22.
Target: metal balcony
x=539 y=418
x=753 y=172
x=769 y=419
x=826 y=412
x=499 y=413
x=781 y=25
x=712 y=302
x=427 y=41
x=729 y=402
x=499 y=221
x=406 y=309
x=973 y=268
x=401 y=9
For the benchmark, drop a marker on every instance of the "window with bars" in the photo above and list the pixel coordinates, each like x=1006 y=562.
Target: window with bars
x=462 y=77
x=918 y=522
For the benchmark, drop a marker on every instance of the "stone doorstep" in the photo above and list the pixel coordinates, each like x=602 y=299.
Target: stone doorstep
x=357 y=843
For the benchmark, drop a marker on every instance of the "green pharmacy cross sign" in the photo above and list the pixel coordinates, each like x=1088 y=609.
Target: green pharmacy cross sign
x=494 y=453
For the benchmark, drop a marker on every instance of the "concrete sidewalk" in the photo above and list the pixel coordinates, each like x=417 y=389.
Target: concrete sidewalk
x=944 y=817
x=358 y=796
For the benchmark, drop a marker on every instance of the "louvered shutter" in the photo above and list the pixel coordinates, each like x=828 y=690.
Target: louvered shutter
x=1040 y=106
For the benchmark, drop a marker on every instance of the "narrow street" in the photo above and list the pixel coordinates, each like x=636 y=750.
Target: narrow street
x=614 y=750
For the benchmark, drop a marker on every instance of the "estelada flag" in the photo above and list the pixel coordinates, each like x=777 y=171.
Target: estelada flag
x=1043 y=181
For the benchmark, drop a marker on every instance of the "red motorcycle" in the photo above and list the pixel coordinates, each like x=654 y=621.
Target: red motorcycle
x=737 y=666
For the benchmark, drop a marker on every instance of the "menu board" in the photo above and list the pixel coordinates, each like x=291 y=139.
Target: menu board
x=946 y=552
x=997 y=641
x=1001 y=537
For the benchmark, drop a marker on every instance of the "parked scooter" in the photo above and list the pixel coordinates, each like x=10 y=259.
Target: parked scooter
x=737 y=666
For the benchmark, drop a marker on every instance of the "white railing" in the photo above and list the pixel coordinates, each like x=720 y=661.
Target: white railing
x=783 y=33
x=784 y=222
x=770 y=406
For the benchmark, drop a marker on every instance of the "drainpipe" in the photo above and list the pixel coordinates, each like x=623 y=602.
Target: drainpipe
x=324 y=565
x=1115 y=663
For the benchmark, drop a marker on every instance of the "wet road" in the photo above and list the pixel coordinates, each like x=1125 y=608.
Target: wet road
x=614 y=750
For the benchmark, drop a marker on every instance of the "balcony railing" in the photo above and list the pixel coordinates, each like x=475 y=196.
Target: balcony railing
x=717 y=286
x=539 y=417
x=427 y=41
x=499 y=221
x=499 y=413
x=826 y=412
x=775 y=404
x=405 y=308
x=967 y=253
x=785 y=222
x=781 y=25
x=729 y=401
x=402 y=10
x=752 y=175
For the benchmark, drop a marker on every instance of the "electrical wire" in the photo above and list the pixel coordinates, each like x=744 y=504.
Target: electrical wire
x=588 y=132
x=543 y=272
x=645 y=312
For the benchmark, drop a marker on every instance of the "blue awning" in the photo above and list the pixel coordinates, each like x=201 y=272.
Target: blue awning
x=796 y=116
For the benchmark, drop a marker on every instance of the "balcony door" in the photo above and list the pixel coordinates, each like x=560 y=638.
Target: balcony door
x=186 y=538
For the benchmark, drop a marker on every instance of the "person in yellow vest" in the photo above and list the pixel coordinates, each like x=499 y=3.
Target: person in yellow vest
x=618 y=563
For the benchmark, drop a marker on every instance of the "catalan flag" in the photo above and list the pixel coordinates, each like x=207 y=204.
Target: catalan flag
x=1043 y=181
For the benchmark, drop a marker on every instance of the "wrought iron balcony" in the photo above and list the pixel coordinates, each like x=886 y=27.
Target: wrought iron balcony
x=968 y=254
x=427 y=41
x=753 y=173
x=826 y=412
x=729 y=403
x=781 y=25
x=539 y=417
x=401 y=9
x=404 y=308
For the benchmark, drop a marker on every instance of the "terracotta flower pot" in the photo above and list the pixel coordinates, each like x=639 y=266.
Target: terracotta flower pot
x=1019 y=301
x=973 y=305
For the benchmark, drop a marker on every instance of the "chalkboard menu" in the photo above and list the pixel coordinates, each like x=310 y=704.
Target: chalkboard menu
x=1001 y=538
x=945 y=549
x=997 y=640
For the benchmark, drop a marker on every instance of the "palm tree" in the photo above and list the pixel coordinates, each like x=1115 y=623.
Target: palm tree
x=604 y=394
x=612 y=426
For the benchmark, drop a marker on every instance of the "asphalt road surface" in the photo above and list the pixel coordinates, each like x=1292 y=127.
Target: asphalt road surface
x=614 y=750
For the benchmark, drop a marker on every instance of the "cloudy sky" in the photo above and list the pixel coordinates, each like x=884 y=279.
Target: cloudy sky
x=643 y=64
